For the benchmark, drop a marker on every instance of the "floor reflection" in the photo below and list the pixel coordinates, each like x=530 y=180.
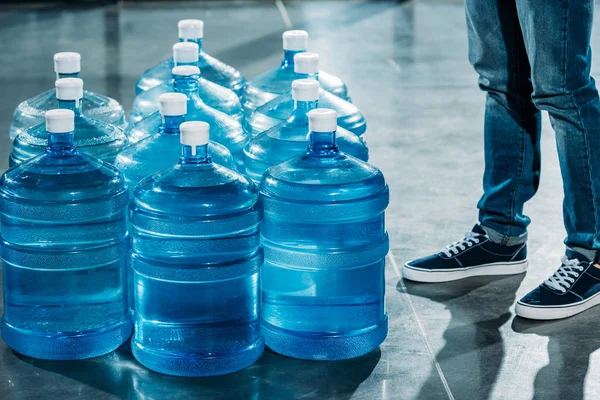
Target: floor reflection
x=474 y=349
x=272 y=377
x=570 y=343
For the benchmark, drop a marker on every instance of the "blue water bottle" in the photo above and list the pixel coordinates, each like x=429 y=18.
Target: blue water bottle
x=325 y=243
x=94 y=137
x=306 y=66
x=160 y=144
x=192 y=30
x=196 y=260
x=64 y=251
x=275 y=82
x=215 y=96
x=66 y=65
x=290 y=138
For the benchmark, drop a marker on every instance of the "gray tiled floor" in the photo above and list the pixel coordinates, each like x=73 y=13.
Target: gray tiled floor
x=406 y=66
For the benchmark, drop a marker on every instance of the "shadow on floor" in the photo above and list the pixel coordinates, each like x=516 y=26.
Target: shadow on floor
x=271 y=377
x=571 y=341
x=473 y=351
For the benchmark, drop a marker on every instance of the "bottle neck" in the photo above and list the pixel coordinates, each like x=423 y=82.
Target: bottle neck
x=191 y=156
x=186 y=84
x=73 y=75
x=73 y=105
x=322 y=144
x=301 y=109
x=60 y=144
x=288 y=58
x=197 y=41
x=170 y=124
x=314 y=76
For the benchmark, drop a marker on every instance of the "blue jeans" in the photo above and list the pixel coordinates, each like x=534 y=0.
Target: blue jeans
x=534 y=55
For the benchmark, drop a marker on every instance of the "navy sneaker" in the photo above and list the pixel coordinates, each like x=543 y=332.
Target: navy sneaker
x=573 y=288
x=475 y=255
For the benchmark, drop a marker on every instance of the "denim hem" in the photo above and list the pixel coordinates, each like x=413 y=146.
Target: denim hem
x=504 y=240
x=590 y=254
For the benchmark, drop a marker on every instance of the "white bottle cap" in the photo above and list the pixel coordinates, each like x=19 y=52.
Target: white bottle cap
x=191 y=29
x=185 y=52
x=194 y=133
x=172 y=104
x=306 y=63
x=67 y=63
x=295 y=40
x=322 y=120
x=60 y=121
x=69 y=89
x=305 y=90
x=186 y=70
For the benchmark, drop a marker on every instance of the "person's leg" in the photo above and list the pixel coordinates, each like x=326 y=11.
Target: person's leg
x=512 y=154
x=557 y=38
x=512 y=122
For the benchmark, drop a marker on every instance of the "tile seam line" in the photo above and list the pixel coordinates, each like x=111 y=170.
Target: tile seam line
x=437 y=365
x=285 y=16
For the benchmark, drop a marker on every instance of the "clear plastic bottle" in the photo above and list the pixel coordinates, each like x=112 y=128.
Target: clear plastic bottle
x=196 y=262
x=275 y=82
x=94 y=137
x=325 y=242
x=66 y=65
x=160 y=145
x=306 y=66
x=64 y=251
x=290 y=138
x=215 y=96
x=192 y=30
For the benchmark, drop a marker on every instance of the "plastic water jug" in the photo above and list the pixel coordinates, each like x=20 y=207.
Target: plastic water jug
x=64 y=251
x=325 y=243
x=94 y=137
x=192 y=30
x=306 y=66
x=196 y=262
x=66 y=65
x=290 y=138
x=215 y=96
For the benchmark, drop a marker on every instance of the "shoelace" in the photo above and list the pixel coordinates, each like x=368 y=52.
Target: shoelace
x=562 y=279
x=453 y=249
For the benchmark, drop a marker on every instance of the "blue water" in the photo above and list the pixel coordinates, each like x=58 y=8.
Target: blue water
x=196 y=261
x=323 y=277
x=213 y=95
x=278 y=81
x=212 y=69
x=30 y=112
x=156 y=147
x=280 y=108
x=64 y=255
x=289 y=139
x=94 y=137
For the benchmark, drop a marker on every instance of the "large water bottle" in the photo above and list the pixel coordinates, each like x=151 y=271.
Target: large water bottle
x=66 y=65
x=290 y=138
x=224 y=129
x=160 y=145
x=64 y=251
x=273 y=83
x=196 y=262
x=94 y=137
x=215 y=96
x=192 y=30
x=325 y=243
x=306 y=66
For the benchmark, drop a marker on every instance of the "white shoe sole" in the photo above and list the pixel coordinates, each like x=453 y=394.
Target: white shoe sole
x=545 y=313
x=428 y=276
